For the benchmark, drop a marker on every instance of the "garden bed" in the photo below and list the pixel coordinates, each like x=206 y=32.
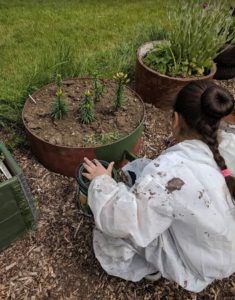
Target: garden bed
x=109 y=125
x=83 y=117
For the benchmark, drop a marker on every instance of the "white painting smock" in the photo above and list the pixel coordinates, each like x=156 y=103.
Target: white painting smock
x=178 y=217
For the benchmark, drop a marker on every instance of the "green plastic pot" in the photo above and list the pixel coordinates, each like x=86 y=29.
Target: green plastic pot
x=83 y=186
x=17 y=211
x=83 y=183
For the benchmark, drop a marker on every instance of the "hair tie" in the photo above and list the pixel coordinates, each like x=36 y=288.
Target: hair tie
x=225 y=172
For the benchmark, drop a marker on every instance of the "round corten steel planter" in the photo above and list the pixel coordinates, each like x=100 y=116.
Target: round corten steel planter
x=65 y=160
x=156 y=88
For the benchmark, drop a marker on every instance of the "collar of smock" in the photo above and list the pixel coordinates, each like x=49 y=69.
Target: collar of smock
x=194 y=150
x=198 y=144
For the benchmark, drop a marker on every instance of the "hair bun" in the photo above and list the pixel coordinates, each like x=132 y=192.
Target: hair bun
x=217 y=102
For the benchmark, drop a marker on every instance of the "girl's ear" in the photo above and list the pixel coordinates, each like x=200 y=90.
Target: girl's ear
x=176 y=120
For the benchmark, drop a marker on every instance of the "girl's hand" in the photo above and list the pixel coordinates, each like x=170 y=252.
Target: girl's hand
x=96 y=169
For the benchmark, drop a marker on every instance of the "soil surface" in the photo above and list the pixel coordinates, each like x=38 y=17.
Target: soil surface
x=57 y=261
x=108 y=123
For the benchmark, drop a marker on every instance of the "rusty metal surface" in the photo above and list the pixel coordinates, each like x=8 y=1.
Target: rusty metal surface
x=159 y=89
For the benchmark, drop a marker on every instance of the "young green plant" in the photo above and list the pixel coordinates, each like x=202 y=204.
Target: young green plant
x=58 y=80
x=98 y=88
x=59 y=107
x=101 y=138
x=120 y=79
x=86 y=109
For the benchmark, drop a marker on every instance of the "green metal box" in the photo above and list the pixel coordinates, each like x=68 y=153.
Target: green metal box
x=17 y=210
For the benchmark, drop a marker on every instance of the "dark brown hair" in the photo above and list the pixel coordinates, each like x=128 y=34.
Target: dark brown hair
x=202 y=104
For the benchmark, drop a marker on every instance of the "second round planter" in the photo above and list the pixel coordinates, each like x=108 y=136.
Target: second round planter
x=156 y=88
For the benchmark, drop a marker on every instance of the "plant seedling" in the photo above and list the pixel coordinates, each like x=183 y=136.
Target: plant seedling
x=121 y=79
x=98 y=88
x=109 y=137
x=86 y=109
x=59 y=82
x=59 y=107
x=103 y=138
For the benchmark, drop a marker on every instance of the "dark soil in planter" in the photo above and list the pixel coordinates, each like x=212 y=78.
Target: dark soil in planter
x=109 y=125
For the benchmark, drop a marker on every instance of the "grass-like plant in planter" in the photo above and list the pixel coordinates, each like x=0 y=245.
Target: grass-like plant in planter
x=104 y=120
x=17 y=210
x=190 y=44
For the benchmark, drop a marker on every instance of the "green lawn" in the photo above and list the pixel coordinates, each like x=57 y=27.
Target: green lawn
x=74 y=37
x=39 y=38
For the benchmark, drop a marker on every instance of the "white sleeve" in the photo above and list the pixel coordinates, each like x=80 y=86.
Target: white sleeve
x=227 y=149
x=141 y=213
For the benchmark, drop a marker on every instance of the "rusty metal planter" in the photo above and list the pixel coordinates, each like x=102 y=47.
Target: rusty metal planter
x=156 y=88
x=64 y=159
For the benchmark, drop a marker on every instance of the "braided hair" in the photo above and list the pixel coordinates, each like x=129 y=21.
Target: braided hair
x=202 y=105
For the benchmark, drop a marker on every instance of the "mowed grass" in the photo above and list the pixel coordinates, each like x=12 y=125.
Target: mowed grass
x=75 y=38
x=39 y=38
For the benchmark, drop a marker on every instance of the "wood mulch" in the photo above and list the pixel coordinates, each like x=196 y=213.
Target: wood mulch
x=57 y=262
